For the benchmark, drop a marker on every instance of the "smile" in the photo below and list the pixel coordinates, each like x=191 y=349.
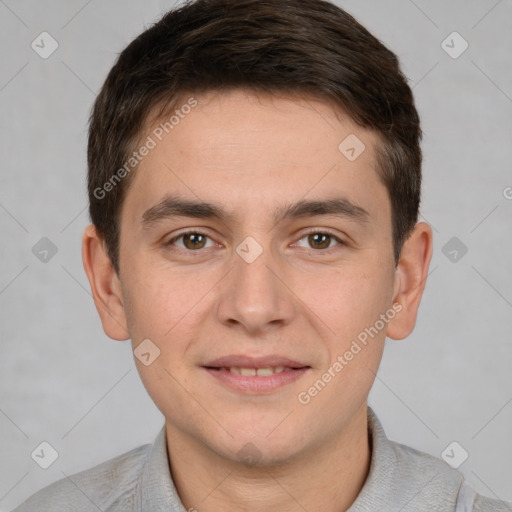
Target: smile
x=255 y=380
x=252 y=372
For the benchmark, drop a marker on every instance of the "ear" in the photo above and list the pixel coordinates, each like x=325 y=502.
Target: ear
x=105 y=285
x=410 y=278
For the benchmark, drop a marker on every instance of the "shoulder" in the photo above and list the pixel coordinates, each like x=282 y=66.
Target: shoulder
x=484 y=504
x=404 y=478
x=421 y=461
x=110 y=485
x=409 y=464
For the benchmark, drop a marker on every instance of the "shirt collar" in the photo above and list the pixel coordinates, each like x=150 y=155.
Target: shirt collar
x=156 y=490
x=404 y=479
x=399 y=478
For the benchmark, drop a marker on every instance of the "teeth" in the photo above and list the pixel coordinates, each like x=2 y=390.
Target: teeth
x=264 y=372
x=251 y=372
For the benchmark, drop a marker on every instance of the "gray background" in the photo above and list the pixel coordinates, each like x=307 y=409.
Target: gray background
x=63 y=381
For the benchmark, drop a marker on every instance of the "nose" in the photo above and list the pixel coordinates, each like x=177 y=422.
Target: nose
x=256 y=295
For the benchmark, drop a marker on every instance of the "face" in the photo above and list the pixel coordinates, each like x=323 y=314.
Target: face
x=259 y=300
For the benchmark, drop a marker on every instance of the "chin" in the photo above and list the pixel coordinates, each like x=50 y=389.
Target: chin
x=274 y=447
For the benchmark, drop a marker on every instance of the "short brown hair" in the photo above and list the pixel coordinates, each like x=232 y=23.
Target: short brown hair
x=290 y=46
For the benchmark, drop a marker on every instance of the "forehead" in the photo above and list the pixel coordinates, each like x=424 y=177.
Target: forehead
x=239 y=148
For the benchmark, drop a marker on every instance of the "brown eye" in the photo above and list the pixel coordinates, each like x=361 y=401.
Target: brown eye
x=319 y=240
x=192 y=240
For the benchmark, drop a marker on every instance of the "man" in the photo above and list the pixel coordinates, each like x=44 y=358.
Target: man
x=254 y=185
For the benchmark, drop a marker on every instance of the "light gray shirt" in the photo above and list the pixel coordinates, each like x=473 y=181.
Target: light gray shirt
x=401 y=479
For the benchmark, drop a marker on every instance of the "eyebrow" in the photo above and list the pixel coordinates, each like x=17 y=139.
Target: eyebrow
x=175 y=206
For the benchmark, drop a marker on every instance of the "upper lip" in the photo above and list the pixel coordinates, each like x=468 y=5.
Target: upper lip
x=240 y=361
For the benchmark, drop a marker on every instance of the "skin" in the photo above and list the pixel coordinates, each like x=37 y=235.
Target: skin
x=251 y=154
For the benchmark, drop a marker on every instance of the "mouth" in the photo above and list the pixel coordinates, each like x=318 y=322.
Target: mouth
x=252 y=372
x=255 y=375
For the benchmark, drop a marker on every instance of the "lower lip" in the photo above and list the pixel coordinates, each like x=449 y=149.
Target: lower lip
x=256 y=384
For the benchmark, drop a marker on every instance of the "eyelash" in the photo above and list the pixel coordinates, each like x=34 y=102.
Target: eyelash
x=341 y=243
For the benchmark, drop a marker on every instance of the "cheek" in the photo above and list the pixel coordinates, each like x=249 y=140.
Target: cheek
x=159 y=300
x=160 y=305
x=354 y=342
x=349 y=300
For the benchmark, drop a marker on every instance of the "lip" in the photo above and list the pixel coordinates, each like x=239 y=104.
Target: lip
x=255 y=385
x=254 y=362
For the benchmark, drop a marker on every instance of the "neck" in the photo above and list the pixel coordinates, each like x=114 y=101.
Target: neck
x=325 y=477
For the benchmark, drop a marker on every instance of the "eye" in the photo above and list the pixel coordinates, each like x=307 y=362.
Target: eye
x=320 y=240
x=192 y=240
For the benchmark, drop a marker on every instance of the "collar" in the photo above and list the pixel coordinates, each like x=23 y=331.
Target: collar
x=400 y=479
x=404 y=479
x=156 y=490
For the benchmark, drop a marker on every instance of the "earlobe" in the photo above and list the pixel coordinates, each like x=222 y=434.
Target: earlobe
x=410 y=279
x=105 y=285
